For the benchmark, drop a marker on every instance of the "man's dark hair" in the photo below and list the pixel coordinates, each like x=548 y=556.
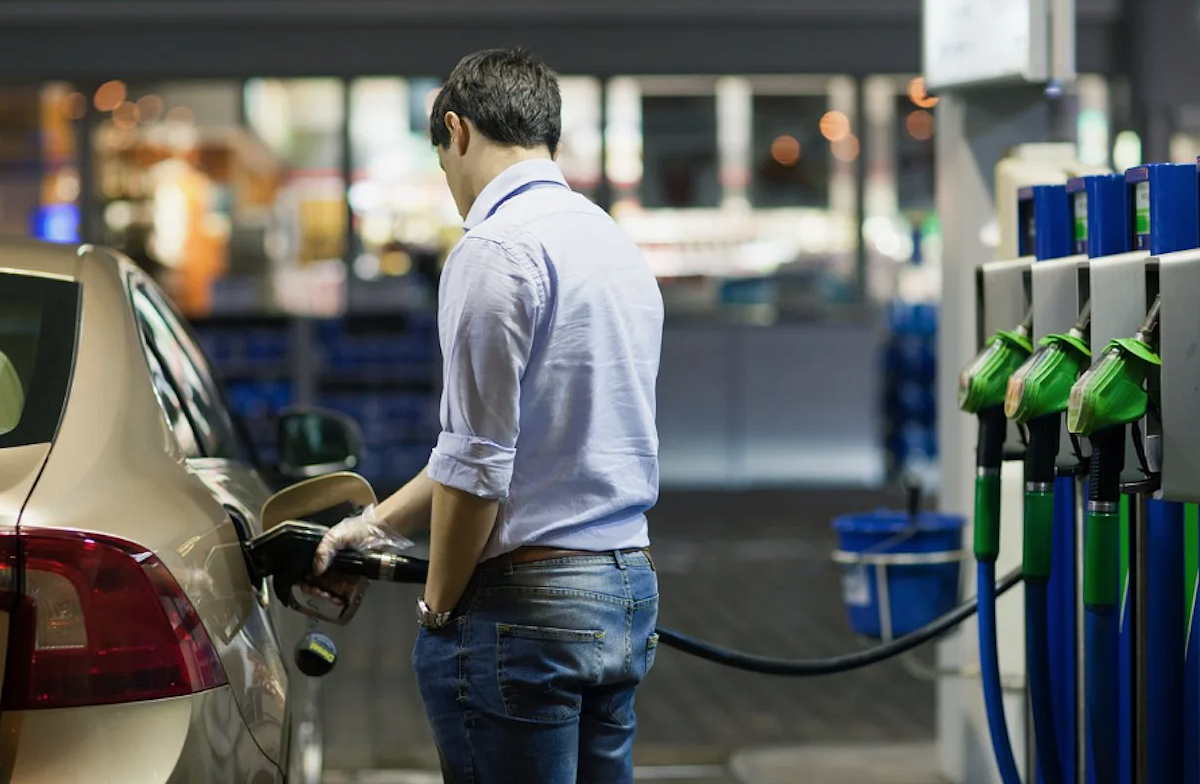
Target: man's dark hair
x=508 y=94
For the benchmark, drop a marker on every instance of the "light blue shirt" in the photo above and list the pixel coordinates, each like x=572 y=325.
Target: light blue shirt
x=550 y=324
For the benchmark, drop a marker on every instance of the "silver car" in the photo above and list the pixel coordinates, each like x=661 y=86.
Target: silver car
x=137 y=644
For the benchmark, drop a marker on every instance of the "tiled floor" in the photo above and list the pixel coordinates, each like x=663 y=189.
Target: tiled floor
x=749 y=570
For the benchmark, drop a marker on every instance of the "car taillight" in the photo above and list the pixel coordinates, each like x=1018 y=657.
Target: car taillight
x=97 y=621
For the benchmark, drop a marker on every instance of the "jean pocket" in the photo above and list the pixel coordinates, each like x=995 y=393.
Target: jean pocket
x=543 y=670
x=651 y=650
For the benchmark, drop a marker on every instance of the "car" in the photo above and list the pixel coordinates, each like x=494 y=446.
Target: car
x=137 y=642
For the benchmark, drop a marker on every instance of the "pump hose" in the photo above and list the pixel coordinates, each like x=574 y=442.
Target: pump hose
x=844 y=663
x=992 y=428
x=989 y=661
x=1039 y=542
x=1101 y=594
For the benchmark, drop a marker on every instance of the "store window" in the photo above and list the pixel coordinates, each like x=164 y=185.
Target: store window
x=790 y=156
x=679 y=152
x=914 y=145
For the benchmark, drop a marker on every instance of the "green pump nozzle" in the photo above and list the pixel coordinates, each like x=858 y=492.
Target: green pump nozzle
x=1112 y=392
x=1042 y=385
x=984 y=381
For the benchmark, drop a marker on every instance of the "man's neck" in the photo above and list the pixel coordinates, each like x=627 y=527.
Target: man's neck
x=495 y=160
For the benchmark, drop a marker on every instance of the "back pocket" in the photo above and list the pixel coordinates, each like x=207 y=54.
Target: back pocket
x=543 y=670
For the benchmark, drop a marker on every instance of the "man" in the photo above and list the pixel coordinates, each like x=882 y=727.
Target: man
x=537 y=621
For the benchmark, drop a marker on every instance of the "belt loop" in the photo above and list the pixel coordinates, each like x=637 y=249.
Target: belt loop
x=508 y=564
x=619 y=557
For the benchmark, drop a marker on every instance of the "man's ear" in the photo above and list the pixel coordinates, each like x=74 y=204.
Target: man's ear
x=460 y=132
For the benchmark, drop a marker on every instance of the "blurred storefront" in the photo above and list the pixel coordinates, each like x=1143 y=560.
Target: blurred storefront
x=302 y=223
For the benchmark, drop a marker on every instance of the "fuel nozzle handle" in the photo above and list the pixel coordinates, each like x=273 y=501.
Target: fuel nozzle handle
x=388 y=567
x=993 y=428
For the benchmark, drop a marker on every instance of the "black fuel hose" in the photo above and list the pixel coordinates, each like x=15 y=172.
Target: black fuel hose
x=844 y=663
x=413 y=570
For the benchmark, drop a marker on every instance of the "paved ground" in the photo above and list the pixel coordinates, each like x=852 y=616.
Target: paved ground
x=749 y=570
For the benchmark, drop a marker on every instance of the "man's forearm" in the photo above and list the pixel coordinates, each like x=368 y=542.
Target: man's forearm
x=461 y=526
x=407 y=511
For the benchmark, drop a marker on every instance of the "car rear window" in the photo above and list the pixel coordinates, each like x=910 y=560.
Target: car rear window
x=39 y=317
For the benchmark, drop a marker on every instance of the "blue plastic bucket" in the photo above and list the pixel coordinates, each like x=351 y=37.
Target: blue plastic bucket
x=917 y=593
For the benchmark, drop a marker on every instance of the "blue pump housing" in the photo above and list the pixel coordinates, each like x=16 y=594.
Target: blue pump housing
x=1166 y=206
x=1046 y=226
x=1102 y=215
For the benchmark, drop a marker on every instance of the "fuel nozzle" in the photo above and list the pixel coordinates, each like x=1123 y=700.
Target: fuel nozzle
x=983 y=383
x=1112 y=391
x=1042 y=384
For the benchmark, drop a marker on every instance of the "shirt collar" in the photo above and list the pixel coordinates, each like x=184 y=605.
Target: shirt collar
x=508 y=181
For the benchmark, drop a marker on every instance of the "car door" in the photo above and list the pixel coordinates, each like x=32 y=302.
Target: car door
x=221 y=460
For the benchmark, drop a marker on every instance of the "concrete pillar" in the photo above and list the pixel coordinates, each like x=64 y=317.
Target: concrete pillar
x=975 y=129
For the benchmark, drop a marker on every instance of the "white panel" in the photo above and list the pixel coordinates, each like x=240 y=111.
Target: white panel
x=971 y=41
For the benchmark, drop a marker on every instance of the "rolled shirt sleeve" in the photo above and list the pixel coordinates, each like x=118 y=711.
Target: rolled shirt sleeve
x=488 y=307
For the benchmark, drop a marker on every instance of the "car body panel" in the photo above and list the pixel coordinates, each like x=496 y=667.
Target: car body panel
x=116 y=468
x=266 y=678
x=193 y=739
x=19 y=467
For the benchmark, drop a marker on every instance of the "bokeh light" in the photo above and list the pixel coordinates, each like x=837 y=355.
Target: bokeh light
x=180 y=114
x=110 y=95
x=785 y=150
x=847 y=149
x=835 y=126
x=150 y=108
x=919 y=125
x=126 y=115
x=918 y=94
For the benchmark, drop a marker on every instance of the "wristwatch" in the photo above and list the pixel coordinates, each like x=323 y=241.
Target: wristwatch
x=428 y=619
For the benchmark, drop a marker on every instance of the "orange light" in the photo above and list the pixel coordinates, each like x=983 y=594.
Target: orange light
x=835 y=126
x=75 y=106
x=180 y=114
x=125 y=116
x=919 y=125
x=918 y=94
x=847 y=149
x=110 y=95
x=785 y=150
x=150 y=107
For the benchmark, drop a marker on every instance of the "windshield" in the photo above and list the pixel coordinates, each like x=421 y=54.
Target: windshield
x=38 y=318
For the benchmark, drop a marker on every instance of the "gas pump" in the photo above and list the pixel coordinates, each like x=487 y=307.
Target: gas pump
x=1115 y=404
x=1036 y=399
x=1179 y=385
x=1003 y=290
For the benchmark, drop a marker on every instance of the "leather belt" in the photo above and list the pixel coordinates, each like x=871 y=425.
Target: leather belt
x=534 y=553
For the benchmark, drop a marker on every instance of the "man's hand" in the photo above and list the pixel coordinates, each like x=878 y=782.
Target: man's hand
x=362 y=533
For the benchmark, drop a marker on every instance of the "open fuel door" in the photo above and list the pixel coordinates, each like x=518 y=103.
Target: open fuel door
x=294 y=520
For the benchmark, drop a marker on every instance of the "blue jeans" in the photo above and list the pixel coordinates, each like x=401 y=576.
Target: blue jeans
x=533 y=682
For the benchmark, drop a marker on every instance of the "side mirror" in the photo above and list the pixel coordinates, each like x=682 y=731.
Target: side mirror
x=314 y=442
